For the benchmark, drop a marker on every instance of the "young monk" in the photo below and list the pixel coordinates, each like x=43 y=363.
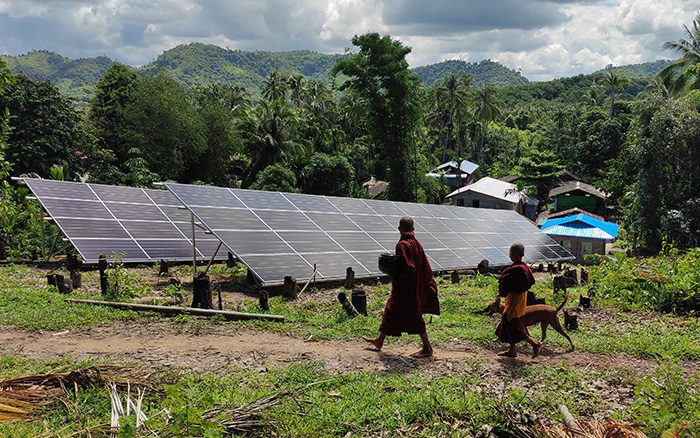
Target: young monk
x=515 y=281
x=413 y=293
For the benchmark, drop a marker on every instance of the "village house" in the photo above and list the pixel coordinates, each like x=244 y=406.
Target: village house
x=492 y=193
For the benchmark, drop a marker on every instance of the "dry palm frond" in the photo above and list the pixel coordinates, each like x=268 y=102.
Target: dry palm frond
x=21 y=396
x=593 y=429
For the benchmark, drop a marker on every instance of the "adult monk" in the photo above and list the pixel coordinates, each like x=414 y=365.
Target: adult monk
x=513 y=283
x=413 y=293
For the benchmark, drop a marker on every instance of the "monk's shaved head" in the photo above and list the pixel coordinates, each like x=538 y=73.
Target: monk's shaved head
x=518 y=250
x=406 y=224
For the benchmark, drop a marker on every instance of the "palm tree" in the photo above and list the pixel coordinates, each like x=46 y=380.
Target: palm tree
x=488 y=109
x=455 y=90
x=275 y=86
x=271 y=133
x=614 y=80
x=684 y=74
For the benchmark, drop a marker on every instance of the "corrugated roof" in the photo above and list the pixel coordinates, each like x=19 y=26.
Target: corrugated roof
x=581 y=225
x=495 y=189
x=466 y=166
x=571 y=186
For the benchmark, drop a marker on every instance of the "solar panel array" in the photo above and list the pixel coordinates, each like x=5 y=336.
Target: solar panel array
x=285 y=234
x=135 y=224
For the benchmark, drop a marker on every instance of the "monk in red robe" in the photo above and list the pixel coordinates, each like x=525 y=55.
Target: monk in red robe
x=514 y=282
x=413 y=293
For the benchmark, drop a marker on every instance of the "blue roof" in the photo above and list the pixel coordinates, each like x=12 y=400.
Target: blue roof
x=581 y=225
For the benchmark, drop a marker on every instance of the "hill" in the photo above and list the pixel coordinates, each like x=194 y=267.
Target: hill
x=638 y=71
x=76 y=78
x=484 y=72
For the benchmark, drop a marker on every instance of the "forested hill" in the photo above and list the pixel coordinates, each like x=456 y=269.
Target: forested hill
x=201 y=64
x=484 y=72
x=636 y=71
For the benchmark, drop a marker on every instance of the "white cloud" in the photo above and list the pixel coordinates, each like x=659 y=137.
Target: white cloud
x=544 y=38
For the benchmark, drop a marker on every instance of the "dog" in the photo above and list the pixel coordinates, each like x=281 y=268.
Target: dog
x=542 y=313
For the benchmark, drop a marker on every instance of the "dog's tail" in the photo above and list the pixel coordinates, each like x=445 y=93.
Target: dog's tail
x=566 y=298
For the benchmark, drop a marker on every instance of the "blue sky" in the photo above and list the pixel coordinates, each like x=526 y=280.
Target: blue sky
x=544 y=39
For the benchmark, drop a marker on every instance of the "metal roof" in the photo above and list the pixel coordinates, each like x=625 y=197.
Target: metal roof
x=496 y=189
x=572 y=186
x=581 y=225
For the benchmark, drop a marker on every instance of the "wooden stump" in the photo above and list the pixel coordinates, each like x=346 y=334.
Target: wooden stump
x=201 y=292
x=102 y=266
x=164 y=270
x=64 y=286
x=290 y=288
x=263 y=299
x=584 y=301
x=483 y=267
x=76 y=279
x=455 y=277
x=584 y=275
x=570 y=320
x=347 y=305
x=559 y=283
x=51 y=278
x=3 y=252
x=359 y=301
x=230 y=261
x=349 y=278
x=35 y=254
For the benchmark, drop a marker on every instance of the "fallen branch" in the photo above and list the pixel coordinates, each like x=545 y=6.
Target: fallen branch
x=174 y=310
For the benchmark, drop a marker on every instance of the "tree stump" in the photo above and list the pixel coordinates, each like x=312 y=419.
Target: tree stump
x=584 y=275
x=483 y=267
x=570 y=320
x=584 y=301
x=349 y=278
x=64 y=286
x=164 y=270
x=230 y=261
x=201 y=292
x=455 y=277
x=51 y=278
x=263 y=297
x=76 y=279
x=290 y=288
x=3 y=252
x=347 y=305
x=102 y=266
x=35 y=254
x=559 y=283
x=359 y=301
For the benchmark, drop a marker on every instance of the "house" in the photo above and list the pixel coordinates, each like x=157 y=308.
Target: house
x=582 y=234
x=496 y=194
x=452 y=174
x=573 y=194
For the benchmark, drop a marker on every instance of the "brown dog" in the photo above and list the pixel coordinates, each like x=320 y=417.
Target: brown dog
x=542 y=313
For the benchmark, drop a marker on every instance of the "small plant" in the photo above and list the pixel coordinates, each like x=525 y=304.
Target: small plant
x=121 y=286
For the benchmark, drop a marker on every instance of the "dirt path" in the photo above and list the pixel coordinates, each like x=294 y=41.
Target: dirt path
x=215 y=348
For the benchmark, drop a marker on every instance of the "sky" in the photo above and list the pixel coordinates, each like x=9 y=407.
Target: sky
x=542 y=39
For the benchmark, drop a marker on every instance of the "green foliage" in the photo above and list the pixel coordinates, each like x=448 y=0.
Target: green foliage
x=669 y=283
x=121 y=285
x=327 y=175
x=486 y=72
x=668 y=404
x=379 y=74
x=46 y=131
x=638 y=71
x=276 y=178
x=27 y=304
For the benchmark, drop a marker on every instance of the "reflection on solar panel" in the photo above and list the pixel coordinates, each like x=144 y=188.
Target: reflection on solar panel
x=284 y=234
x=137 y=224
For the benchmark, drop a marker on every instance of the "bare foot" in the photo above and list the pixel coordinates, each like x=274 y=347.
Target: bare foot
x=375 y=342
x=424 y=352
x=508 y=353
x=536 y=349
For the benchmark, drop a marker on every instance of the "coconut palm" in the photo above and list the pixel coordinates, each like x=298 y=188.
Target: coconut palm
x=614 y=80
x=684 y=74
x=488 y=109
x=454 y=89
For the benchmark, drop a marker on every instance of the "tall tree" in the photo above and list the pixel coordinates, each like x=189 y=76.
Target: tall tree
x=379 y=73
x=5 y=80
x=613 y=80
x=487 y=109
x=46 y=129
x=455 y=90
x=684 y=74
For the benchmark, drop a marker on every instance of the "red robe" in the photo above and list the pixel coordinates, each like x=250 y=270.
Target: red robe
x=413 y=291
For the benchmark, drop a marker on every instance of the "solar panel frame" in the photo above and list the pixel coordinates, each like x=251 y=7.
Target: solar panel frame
x=332 y=234
x=124 y=223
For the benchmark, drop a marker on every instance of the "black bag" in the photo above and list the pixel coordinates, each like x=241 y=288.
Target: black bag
x=389 y=262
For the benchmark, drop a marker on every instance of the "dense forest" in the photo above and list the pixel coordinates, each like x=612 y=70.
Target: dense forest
x=310 y=123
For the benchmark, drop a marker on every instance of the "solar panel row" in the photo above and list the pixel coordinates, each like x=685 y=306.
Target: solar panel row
x=134 y=224
x=278 y=234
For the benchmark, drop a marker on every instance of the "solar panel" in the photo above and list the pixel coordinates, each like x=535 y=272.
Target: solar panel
x=134 y=224
x=284 y=234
